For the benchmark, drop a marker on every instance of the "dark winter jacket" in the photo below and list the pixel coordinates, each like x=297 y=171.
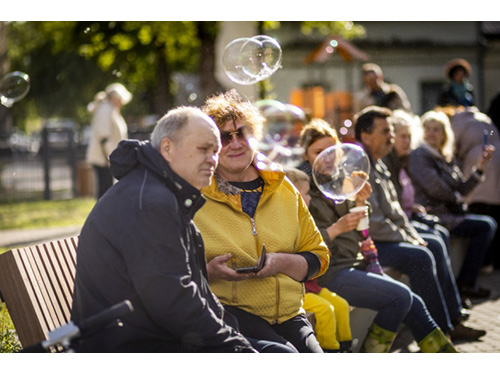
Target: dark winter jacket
x=140 y=243
x=440 y=185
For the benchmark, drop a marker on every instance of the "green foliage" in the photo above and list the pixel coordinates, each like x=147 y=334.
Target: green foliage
x=346 y=29
x=9 y=342
x=70 y=61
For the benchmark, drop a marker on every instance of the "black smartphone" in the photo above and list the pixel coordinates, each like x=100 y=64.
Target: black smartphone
x=259 y=265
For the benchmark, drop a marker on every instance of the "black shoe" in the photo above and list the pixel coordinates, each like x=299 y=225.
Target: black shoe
x=464 y=333
x=474 y=292
x=466 y=303
x=462 y=317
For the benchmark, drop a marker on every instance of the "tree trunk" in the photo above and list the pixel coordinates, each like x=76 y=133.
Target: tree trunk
x=5 y=118
x=163 y=97
x=207 y=33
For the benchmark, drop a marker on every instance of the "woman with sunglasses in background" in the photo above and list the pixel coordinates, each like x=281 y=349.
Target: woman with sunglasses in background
x=247 y=210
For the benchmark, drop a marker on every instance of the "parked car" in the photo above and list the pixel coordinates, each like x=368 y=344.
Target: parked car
x=60 y=131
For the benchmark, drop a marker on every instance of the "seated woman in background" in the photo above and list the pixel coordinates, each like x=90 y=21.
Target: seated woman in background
x=347 y=274
x=331 y=311
x=397 y=163
x=440 y=187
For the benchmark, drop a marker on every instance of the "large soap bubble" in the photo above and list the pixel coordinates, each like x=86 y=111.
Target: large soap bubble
x=341 y=171
x=249 y=60
x=13 y=87
x=280 y=133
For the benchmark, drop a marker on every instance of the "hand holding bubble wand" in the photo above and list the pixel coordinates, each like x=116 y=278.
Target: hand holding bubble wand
x=13 y=87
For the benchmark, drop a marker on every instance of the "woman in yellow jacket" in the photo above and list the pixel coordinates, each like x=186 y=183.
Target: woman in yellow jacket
x=247 y=210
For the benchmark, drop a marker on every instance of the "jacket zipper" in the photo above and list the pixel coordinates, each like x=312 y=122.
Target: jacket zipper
x=277 y=301
x=254 y=232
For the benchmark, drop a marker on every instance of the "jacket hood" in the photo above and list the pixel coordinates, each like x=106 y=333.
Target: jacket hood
x=131 y=153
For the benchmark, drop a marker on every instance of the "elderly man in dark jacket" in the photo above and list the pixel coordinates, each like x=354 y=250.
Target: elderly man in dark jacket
x=140 y=243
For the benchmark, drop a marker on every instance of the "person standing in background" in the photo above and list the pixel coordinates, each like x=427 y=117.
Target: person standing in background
x=378 y=92
x=458 y=91
x=108 y=128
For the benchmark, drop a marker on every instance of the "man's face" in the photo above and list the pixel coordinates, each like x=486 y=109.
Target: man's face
x=379 y=143
x=371 y=80
x=195 y=153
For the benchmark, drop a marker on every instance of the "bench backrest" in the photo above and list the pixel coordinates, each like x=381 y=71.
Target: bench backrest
x=37 y=286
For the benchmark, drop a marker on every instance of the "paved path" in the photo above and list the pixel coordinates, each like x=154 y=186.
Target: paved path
x=16 y=238
x=485 y=315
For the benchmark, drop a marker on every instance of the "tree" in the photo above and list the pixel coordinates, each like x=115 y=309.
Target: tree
x=69 y=62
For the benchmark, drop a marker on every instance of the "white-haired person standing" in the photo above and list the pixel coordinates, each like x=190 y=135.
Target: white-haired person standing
x=108 y=128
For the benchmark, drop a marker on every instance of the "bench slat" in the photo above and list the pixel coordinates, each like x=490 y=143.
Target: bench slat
x=37 y=286
x=59 y=284
x=51 y=284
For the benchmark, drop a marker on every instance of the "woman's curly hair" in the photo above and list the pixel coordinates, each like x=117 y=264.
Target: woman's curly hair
x=231 y=106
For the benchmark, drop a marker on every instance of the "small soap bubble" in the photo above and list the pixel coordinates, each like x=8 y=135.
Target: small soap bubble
x=14 y=87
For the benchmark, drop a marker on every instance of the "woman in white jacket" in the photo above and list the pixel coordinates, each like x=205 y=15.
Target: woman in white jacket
x=108 y=128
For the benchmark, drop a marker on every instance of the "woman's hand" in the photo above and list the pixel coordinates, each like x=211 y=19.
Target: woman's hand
x=363 y=194
x=292 y=265
x=418 y=209
x=345 y=224
x=486 y=156
x=218 y=269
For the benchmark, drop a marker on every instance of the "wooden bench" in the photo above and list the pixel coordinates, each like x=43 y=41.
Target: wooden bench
x=37 y=286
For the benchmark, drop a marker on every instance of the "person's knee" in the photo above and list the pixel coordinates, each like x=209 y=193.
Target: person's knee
x=341 y=304
x=493 y=224
x=424 y=259
x=403 y=299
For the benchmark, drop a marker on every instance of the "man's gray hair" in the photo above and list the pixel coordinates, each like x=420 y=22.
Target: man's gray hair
x=170 y=124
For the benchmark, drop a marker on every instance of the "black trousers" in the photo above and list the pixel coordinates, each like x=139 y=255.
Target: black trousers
x=297 y=332
x=104 y=180
x=493 y=210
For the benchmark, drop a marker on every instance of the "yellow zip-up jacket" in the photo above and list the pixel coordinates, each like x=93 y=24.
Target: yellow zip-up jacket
x=282 y=222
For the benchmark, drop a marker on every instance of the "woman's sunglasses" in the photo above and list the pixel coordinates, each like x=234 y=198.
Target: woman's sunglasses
x=227 y=137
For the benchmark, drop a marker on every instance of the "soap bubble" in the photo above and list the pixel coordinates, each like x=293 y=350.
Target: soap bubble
x=266 y=55
x=341 y=171
x=249 y=60
x=13 y=87
x=280 y=133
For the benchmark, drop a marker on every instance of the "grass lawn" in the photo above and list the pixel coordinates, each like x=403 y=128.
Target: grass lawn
x=41 y=214
x=37 y=214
